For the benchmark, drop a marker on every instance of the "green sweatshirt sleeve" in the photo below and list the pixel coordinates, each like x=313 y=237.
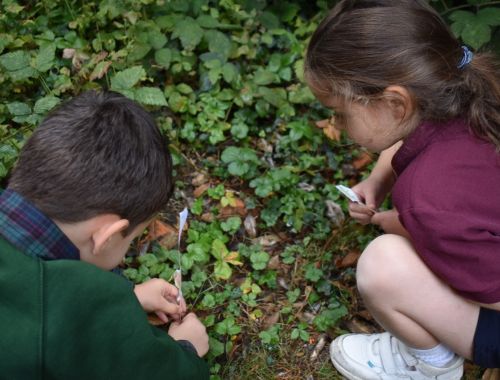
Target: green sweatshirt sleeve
x=95 y=328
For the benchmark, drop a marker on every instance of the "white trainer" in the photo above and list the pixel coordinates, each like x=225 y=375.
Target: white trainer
x=384 y=357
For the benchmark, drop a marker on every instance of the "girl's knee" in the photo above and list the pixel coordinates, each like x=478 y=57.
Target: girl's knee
x=382 y=263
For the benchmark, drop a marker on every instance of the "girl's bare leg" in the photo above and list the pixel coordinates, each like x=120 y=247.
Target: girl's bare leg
x=409 y=301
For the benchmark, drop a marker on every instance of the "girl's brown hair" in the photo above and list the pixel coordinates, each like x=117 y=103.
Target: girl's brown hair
x=364 y=46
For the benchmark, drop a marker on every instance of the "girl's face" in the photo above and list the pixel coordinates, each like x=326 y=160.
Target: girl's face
x=373 y=125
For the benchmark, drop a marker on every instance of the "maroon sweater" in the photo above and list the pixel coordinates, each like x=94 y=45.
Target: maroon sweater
x=448 y=197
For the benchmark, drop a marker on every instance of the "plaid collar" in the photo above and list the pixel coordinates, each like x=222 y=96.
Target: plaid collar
x=29 y=230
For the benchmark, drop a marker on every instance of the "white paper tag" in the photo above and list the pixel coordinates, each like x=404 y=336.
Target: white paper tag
x=349 y=193
x=182 y=221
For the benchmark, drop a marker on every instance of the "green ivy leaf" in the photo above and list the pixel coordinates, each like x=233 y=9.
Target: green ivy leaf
x=128 y=78
x=189 y=32
x=151 y=96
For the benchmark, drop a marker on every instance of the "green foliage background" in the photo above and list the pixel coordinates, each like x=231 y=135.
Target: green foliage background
x=224 y=81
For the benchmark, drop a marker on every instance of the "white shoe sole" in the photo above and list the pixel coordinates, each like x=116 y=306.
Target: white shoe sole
x=338 y=366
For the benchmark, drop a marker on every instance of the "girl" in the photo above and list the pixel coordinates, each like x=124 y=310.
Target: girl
x=401 y=84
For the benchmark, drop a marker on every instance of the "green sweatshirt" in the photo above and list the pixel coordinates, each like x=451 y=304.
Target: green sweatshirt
x=66 y=319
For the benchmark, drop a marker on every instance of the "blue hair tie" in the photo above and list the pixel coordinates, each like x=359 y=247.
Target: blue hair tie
x=466 y=57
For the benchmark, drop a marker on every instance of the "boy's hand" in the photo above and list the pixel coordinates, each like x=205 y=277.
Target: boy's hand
x=159 y=296
x=192 y=330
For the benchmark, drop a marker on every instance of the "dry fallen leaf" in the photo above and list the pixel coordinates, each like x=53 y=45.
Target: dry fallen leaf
x=250 y=226
x=274 y=263
x=348 y=260
x=158 y=229
x=271 y=320
x=329 y=130
x=267 y=240
x=200 y=190
x=363 y=160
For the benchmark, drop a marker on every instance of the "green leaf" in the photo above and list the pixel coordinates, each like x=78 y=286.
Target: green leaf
x=19 y=109
x=264 y=77
x=259 y=260
x=218 y=42
x=44 y=60
x=312 y=273
x=216 y=347
x=222 y=270
x=269 y=20
x=461 y=20
x=163 y=57
x=275 y=96
x=489 y=16
x=17 y=64
x=227 y=326
x=231 y=225
x=328 y=318
x=229 y=72
x=208 y=301
x=207 y=21
x=157 y=39
x=219 y=250
x=45 y=104
x=151 y=96
x=189 y=32
x=476 y=35
x=128 y=78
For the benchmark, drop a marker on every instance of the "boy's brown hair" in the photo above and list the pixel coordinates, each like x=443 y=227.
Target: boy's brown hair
x=97 y=153
x=364 y=46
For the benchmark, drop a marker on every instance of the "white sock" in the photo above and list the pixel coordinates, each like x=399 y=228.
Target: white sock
x=438 y=356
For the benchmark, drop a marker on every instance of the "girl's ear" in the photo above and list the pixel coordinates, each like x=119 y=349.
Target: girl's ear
x=106 y=232
x=401 y=103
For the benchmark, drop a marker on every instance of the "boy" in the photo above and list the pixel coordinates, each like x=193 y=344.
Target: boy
x=87 y=182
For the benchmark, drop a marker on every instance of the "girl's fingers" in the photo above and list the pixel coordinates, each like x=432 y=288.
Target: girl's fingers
x=361 y=218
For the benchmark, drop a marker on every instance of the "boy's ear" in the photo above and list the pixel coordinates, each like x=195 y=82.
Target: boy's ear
x=400 y=101
x=106 y=232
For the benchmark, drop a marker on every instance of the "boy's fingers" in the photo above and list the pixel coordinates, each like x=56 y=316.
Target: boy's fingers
x=162 y=316
x=169 y=308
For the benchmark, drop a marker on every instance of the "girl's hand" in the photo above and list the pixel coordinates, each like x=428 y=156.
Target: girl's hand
x=373 y=192
x=159 y=296
x=389 y=222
